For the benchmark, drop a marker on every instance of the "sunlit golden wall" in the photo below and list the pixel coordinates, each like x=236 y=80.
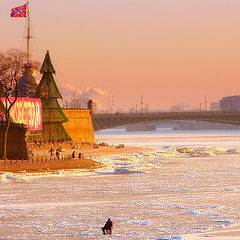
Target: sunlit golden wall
x=79 y=126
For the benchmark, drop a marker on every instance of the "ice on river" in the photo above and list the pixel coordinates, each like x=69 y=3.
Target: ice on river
x=163 y=193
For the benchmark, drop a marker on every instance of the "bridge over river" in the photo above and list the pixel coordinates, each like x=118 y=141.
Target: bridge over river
x=104 y=121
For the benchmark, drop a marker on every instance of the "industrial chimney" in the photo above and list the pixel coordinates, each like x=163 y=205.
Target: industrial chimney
x=90 y=106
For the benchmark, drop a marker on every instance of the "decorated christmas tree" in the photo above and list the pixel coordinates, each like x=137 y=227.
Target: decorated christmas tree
x=52 y=114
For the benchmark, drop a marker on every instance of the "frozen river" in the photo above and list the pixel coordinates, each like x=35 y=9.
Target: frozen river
x=187 y=182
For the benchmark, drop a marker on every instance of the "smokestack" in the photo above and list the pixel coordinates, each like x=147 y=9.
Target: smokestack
x=90 y=106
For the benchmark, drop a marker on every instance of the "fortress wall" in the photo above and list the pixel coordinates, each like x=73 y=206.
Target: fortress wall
x=16 y=144
x=79 y=126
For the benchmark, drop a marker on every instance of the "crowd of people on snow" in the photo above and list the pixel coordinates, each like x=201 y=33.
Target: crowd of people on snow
x=74 y=155
x=56 y=147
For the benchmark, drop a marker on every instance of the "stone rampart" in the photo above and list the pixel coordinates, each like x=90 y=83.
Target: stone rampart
x=16 y=144
x=79 y=126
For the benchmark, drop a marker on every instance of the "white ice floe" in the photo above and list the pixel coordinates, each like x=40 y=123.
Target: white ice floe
x=10 y=177
x=171 y=238
x=205 y=151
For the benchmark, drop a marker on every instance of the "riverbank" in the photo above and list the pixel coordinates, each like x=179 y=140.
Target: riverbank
x=87 y=163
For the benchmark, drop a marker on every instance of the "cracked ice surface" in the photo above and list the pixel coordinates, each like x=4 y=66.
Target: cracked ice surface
x=183 y=185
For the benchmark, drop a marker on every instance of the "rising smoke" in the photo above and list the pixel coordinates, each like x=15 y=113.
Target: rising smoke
x=69 y=91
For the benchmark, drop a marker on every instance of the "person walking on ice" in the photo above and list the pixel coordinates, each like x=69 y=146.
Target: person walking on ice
x=108 y=227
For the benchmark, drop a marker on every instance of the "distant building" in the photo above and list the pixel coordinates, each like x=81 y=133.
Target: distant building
x=230 y=103
x=178 y=108
x=215 y=106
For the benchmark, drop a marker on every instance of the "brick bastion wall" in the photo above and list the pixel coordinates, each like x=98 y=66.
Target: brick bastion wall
x=79 y=126
x=16 y=144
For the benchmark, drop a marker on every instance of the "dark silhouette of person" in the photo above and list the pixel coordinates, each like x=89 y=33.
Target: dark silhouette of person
x=57 y=154
x=80 y=155
x=108 y=227
x=73 y=154
x=51 y=152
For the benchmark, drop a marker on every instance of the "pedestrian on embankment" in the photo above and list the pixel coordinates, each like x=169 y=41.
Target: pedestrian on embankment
x=73 y=154
x=51 y=152
x=57 y=154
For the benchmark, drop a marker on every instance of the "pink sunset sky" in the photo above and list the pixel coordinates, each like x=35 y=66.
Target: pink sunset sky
x=168 y=51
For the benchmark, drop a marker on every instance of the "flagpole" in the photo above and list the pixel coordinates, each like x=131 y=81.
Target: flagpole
x=28 y=33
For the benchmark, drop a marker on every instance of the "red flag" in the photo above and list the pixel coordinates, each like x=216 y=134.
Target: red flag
x=19 y=11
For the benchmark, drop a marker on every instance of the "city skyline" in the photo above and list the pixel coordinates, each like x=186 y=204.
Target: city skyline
x=169 y=52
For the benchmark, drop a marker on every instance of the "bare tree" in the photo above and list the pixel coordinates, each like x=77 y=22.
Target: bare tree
x=11 y=68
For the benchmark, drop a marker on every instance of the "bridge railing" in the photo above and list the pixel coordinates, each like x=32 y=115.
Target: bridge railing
x=199 y=113
x=106 y=120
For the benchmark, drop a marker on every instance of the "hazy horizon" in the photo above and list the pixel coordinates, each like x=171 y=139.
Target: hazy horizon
x=170 y=52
